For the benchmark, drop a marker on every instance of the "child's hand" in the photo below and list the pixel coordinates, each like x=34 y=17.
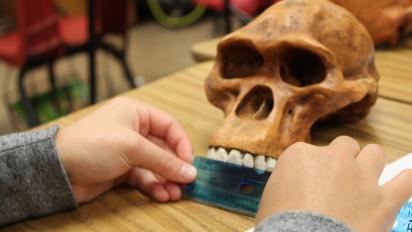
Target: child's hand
x=126 y=141
x=340 y=181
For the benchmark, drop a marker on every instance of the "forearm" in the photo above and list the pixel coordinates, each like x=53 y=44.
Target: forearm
x=32 y=180
x=295 y=221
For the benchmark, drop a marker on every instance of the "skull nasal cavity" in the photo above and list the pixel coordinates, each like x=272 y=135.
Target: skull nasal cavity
x=300 y=67
x=240 y=61
x=257 y=104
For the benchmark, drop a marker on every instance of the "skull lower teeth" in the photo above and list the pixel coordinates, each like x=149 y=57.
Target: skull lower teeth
x=242 y=159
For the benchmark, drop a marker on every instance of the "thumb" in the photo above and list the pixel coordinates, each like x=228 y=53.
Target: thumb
x=399 y=189
x=148 y=155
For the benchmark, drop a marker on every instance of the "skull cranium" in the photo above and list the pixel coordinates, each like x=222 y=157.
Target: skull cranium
x=299 y=62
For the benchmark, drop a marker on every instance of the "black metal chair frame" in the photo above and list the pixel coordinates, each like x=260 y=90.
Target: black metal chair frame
x=37 y=61
x=119 y=54
x=30 y=64
x=96 y=42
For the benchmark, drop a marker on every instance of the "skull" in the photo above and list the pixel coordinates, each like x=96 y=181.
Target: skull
x=385 y=19
x=299 y=62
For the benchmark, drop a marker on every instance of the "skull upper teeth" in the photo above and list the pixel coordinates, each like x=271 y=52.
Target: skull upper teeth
x=221 y=154
x=260 y=162
x=237 y=157
x=270 y=164
x=248 y=161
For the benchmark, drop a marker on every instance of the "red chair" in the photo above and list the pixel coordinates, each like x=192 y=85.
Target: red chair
x=110 y=18
x=244 y=10
x=245 y=6
x=35 y=43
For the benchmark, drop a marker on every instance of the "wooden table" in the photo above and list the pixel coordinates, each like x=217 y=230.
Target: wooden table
x=394 y=66
x=182 y=95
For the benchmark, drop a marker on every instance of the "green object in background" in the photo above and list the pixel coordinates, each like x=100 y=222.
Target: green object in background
x=175 y=21
x=49 y=106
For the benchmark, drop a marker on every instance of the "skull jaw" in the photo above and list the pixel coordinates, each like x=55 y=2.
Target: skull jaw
x=257 y=140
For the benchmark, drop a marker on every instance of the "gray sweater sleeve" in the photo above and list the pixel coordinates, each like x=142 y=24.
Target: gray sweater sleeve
x=297 y=221
x=33 y=182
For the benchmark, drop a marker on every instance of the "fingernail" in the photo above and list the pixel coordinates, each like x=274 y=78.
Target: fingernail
x=189 y=172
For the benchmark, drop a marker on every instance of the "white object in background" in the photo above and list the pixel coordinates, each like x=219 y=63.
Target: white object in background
x=389 y=172
x=394 y=168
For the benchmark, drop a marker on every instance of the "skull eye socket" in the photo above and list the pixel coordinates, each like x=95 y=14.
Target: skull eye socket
x=257 y=104
x=240 y=61
x=300 y=67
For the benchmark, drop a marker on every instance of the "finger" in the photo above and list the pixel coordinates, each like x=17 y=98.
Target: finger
x=120 y=180
x=186 y=156
x=161 y=143
x=148 y=183
x=344 y=145
x=165 y=127
x=148 y=155
x=399 y=189
x=175 y=192
x=299 y=147
x=161 y=179
x=143 y=178
x=184 y=150
x=372 y=159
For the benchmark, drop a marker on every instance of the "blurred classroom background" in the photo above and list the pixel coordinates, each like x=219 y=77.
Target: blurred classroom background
x=155 y=46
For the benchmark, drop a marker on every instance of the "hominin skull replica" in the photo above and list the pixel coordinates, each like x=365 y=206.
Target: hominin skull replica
x=299 y=62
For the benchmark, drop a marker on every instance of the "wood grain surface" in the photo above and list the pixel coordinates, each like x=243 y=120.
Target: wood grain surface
x=182 y=95
x=394 y=65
